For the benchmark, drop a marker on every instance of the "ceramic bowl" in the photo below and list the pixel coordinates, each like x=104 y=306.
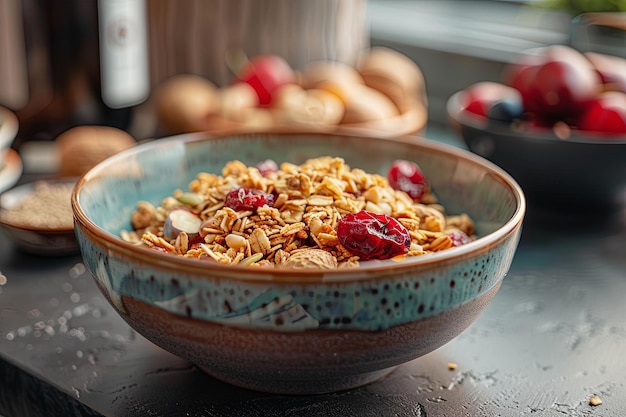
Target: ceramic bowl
x=11 y=171
x=287 y=330
x=8 y=130
x=575 y=175
x=37 y=239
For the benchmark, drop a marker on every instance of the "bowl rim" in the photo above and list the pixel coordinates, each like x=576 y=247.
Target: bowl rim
x=9 y=126
x=458 y=119
x=300 y=276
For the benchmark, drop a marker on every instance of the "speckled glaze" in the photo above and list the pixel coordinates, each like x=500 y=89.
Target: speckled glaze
x=294 y=331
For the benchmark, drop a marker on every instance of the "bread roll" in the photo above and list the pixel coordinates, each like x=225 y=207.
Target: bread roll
x=294 y=104
x=82 y=147
x=235 y=99
x=183 y=101
x=395 y=75
x=328 y=71
x=362 y=103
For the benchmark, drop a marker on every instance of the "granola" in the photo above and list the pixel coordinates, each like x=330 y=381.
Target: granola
x=299 y=228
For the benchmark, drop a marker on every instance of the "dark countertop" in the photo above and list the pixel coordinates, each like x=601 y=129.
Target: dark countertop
x=553 y=336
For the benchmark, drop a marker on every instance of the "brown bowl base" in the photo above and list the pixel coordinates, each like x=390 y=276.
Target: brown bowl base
x=304 y=362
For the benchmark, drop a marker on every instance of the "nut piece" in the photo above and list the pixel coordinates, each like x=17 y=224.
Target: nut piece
x=235 y=242
x=595 y=400
x=142 y=217
x=310 y=259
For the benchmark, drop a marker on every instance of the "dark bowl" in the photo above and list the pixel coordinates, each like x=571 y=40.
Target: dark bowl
x=578 y=174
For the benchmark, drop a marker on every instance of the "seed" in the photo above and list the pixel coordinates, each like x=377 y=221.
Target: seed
x=191 y=199
x=251 y=259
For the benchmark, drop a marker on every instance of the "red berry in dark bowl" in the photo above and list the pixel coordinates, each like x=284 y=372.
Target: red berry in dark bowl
x=606 y=114
x=521 y=73
x=408 y=177
x=563 y=83
x=479 y=98
x=248 y=199
x=373 y=236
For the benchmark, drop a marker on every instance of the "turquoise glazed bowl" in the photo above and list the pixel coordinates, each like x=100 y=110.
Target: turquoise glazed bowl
x=287 y=330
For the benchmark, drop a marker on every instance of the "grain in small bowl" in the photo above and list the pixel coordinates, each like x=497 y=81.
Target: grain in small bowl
x=260 y=322
x=37 y=216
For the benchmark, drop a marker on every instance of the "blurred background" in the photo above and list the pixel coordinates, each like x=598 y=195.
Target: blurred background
x=72 y=62
x=457 y=43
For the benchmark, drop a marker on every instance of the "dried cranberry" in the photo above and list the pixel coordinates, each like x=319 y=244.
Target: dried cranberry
x=408 y=177
x=373 y=236
x=267 y=167
x=459 y=238
x=248 y=199
x=196 y=241
x=159 y=249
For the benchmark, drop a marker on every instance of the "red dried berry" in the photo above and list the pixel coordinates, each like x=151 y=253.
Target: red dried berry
x=459 y=238
x=408 y=177
x=373 y=236
x=196 y=241
x=159 y=249
x=248 y=199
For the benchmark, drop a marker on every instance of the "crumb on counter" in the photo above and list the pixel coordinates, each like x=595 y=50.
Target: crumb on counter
x=452 y=366
x=594 y=400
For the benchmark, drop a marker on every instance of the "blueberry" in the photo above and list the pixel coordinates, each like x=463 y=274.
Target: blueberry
x=506 y=110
